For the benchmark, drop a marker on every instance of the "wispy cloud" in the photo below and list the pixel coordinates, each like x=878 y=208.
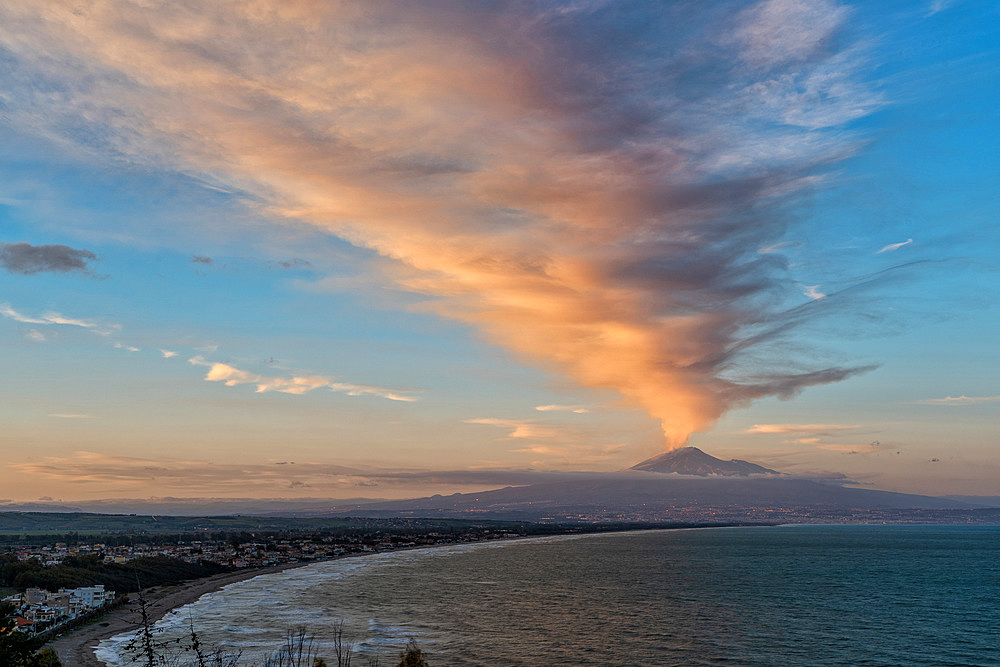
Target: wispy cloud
x=297 y=384
x=294 y=263
x=893 y=246
x=136 y=472
x=70 y=416
x=589 y=201
x=568 y=453
x=189 y=476
x=27 y=259
x=53 y=318
x=812 y=291
x=781 y=31
x=578 y=409
x=960 y=400
x=778 y=247
x=520 y=428
x=167 y=354
x=939 y=6
x=127 y=348
x=785 y=429
x=867 y=448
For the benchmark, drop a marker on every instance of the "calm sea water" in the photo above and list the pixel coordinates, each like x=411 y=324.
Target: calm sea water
x=794 y=595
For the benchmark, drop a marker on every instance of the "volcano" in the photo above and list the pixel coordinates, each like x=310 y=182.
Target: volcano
x=693 y=461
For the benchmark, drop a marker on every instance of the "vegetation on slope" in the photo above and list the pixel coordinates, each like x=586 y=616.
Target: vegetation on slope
x=76 y=571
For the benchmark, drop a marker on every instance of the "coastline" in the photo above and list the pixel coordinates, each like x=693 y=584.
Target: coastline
x=76 y=648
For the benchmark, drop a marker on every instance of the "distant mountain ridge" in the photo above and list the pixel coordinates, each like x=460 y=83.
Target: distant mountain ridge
x=652 y=495
x=693 y=461
x=699 y=483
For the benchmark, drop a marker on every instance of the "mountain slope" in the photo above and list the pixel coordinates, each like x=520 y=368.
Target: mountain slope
x=651 y=495
x=693 y=461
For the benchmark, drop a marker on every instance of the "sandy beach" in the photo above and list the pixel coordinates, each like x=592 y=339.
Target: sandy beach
x=76 y=648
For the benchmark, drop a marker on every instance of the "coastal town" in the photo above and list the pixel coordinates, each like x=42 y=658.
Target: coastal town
x=254 y=553
x=61 y=591
x=37 y=610
x=184 y=564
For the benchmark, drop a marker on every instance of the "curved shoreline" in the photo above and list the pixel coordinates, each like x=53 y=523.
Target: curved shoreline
x=76 y=647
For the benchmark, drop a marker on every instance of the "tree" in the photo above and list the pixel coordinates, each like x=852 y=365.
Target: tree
x=412 y=657
x=18 y=649
x=343 y=649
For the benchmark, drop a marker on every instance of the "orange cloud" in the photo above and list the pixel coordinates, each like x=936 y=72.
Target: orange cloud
x=798 y=428
x=298 y=384
x=592 y=209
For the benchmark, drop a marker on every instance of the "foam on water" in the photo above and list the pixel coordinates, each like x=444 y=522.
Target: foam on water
x=211 y=613
x=804 y=595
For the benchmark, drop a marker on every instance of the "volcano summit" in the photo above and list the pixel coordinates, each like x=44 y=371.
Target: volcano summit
x=693 y=461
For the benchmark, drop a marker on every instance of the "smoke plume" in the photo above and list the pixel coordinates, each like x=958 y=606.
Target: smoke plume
x=587 y=184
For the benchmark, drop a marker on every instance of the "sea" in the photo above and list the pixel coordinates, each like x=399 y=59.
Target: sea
x=782 y=595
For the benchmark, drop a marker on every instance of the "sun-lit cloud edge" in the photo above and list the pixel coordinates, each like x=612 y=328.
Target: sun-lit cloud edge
x=894 y=246
x=577 y=409
x=785 y=429
x=959 y=400
x=608 y=239
x=53 y=318
x=853 y=448
x=523 y=428
x=296 y=384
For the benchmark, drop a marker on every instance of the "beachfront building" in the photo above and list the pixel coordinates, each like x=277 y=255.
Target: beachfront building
x=92 y=597
x=40 y=610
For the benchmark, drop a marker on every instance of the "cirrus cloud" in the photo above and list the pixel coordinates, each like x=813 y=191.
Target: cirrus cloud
x=577 y=409
x=960 y=400
x=297 y=384
x=893 y=246
x=53 y=318
x=786 y=429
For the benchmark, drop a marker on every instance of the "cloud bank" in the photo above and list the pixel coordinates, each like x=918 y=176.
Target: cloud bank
x=586 y=183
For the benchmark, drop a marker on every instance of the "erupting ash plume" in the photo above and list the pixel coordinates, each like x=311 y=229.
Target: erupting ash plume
x=588 y=185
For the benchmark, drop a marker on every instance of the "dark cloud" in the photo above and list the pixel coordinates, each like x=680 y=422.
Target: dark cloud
x=26 y=259
x=294 y=263
x=787 y=385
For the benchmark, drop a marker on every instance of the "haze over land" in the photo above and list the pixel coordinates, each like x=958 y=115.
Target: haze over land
x=385 y=250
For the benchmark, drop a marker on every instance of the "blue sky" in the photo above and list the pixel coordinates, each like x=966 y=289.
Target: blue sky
x=368 y=242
